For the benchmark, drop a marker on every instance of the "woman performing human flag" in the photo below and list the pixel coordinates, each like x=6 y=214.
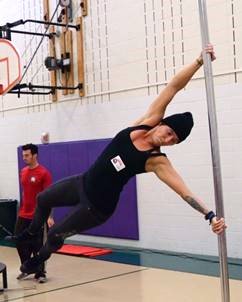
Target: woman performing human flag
x=94 y=195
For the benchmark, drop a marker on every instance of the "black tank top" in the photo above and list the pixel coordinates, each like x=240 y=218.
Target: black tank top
x=119 y=161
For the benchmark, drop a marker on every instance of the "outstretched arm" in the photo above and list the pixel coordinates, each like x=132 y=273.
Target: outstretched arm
x=157 y=109
x=166 y=173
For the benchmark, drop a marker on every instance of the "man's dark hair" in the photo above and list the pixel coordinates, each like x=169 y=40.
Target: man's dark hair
x=33 y=148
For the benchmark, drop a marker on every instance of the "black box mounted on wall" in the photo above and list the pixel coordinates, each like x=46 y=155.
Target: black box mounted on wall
x=8 y=214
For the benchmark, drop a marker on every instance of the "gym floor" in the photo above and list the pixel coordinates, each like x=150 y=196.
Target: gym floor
x=91 y=280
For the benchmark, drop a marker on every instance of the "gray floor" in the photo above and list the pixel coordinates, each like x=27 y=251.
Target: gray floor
x=91 y=280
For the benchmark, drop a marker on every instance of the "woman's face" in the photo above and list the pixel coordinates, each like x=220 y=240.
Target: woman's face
x=164 y=136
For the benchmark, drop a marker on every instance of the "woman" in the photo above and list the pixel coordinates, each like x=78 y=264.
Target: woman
x=132 y=151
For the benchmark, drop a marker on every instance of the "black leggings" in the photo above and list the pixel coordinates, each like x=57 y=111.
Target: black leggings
x=83 y=216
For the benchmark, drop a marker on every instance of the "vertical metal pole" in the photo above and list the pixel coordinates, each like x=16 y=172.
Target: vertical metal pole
x=215 y=151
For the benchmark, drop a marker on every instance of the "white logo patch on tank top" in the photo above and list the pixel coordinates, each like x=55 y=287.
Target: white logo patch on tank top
x=118 y=163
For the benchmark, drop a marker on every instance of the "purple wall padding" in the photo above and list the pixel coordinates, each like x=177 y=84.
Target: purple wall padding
x=69 y=158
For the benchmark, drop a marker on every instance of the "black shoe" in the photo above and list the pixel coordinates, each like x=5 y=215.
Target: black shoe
x=40 y=277
x=22 y=276
x=32 y=266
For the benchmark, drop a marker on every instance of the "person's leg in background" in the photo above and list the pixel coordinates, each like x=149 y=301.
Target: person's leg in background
x=24 y=248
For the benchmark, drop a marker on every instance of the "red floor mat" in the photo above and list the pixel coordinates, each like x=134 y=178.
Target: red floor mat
x=83 y=250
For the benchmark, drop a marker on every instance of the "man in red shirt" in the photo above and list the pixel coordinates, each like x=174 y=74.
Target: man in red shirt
x=34 y=178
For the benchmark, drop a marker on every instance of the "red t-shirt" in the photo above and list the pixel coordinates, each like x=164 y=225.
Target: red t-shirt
x=33 y=181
